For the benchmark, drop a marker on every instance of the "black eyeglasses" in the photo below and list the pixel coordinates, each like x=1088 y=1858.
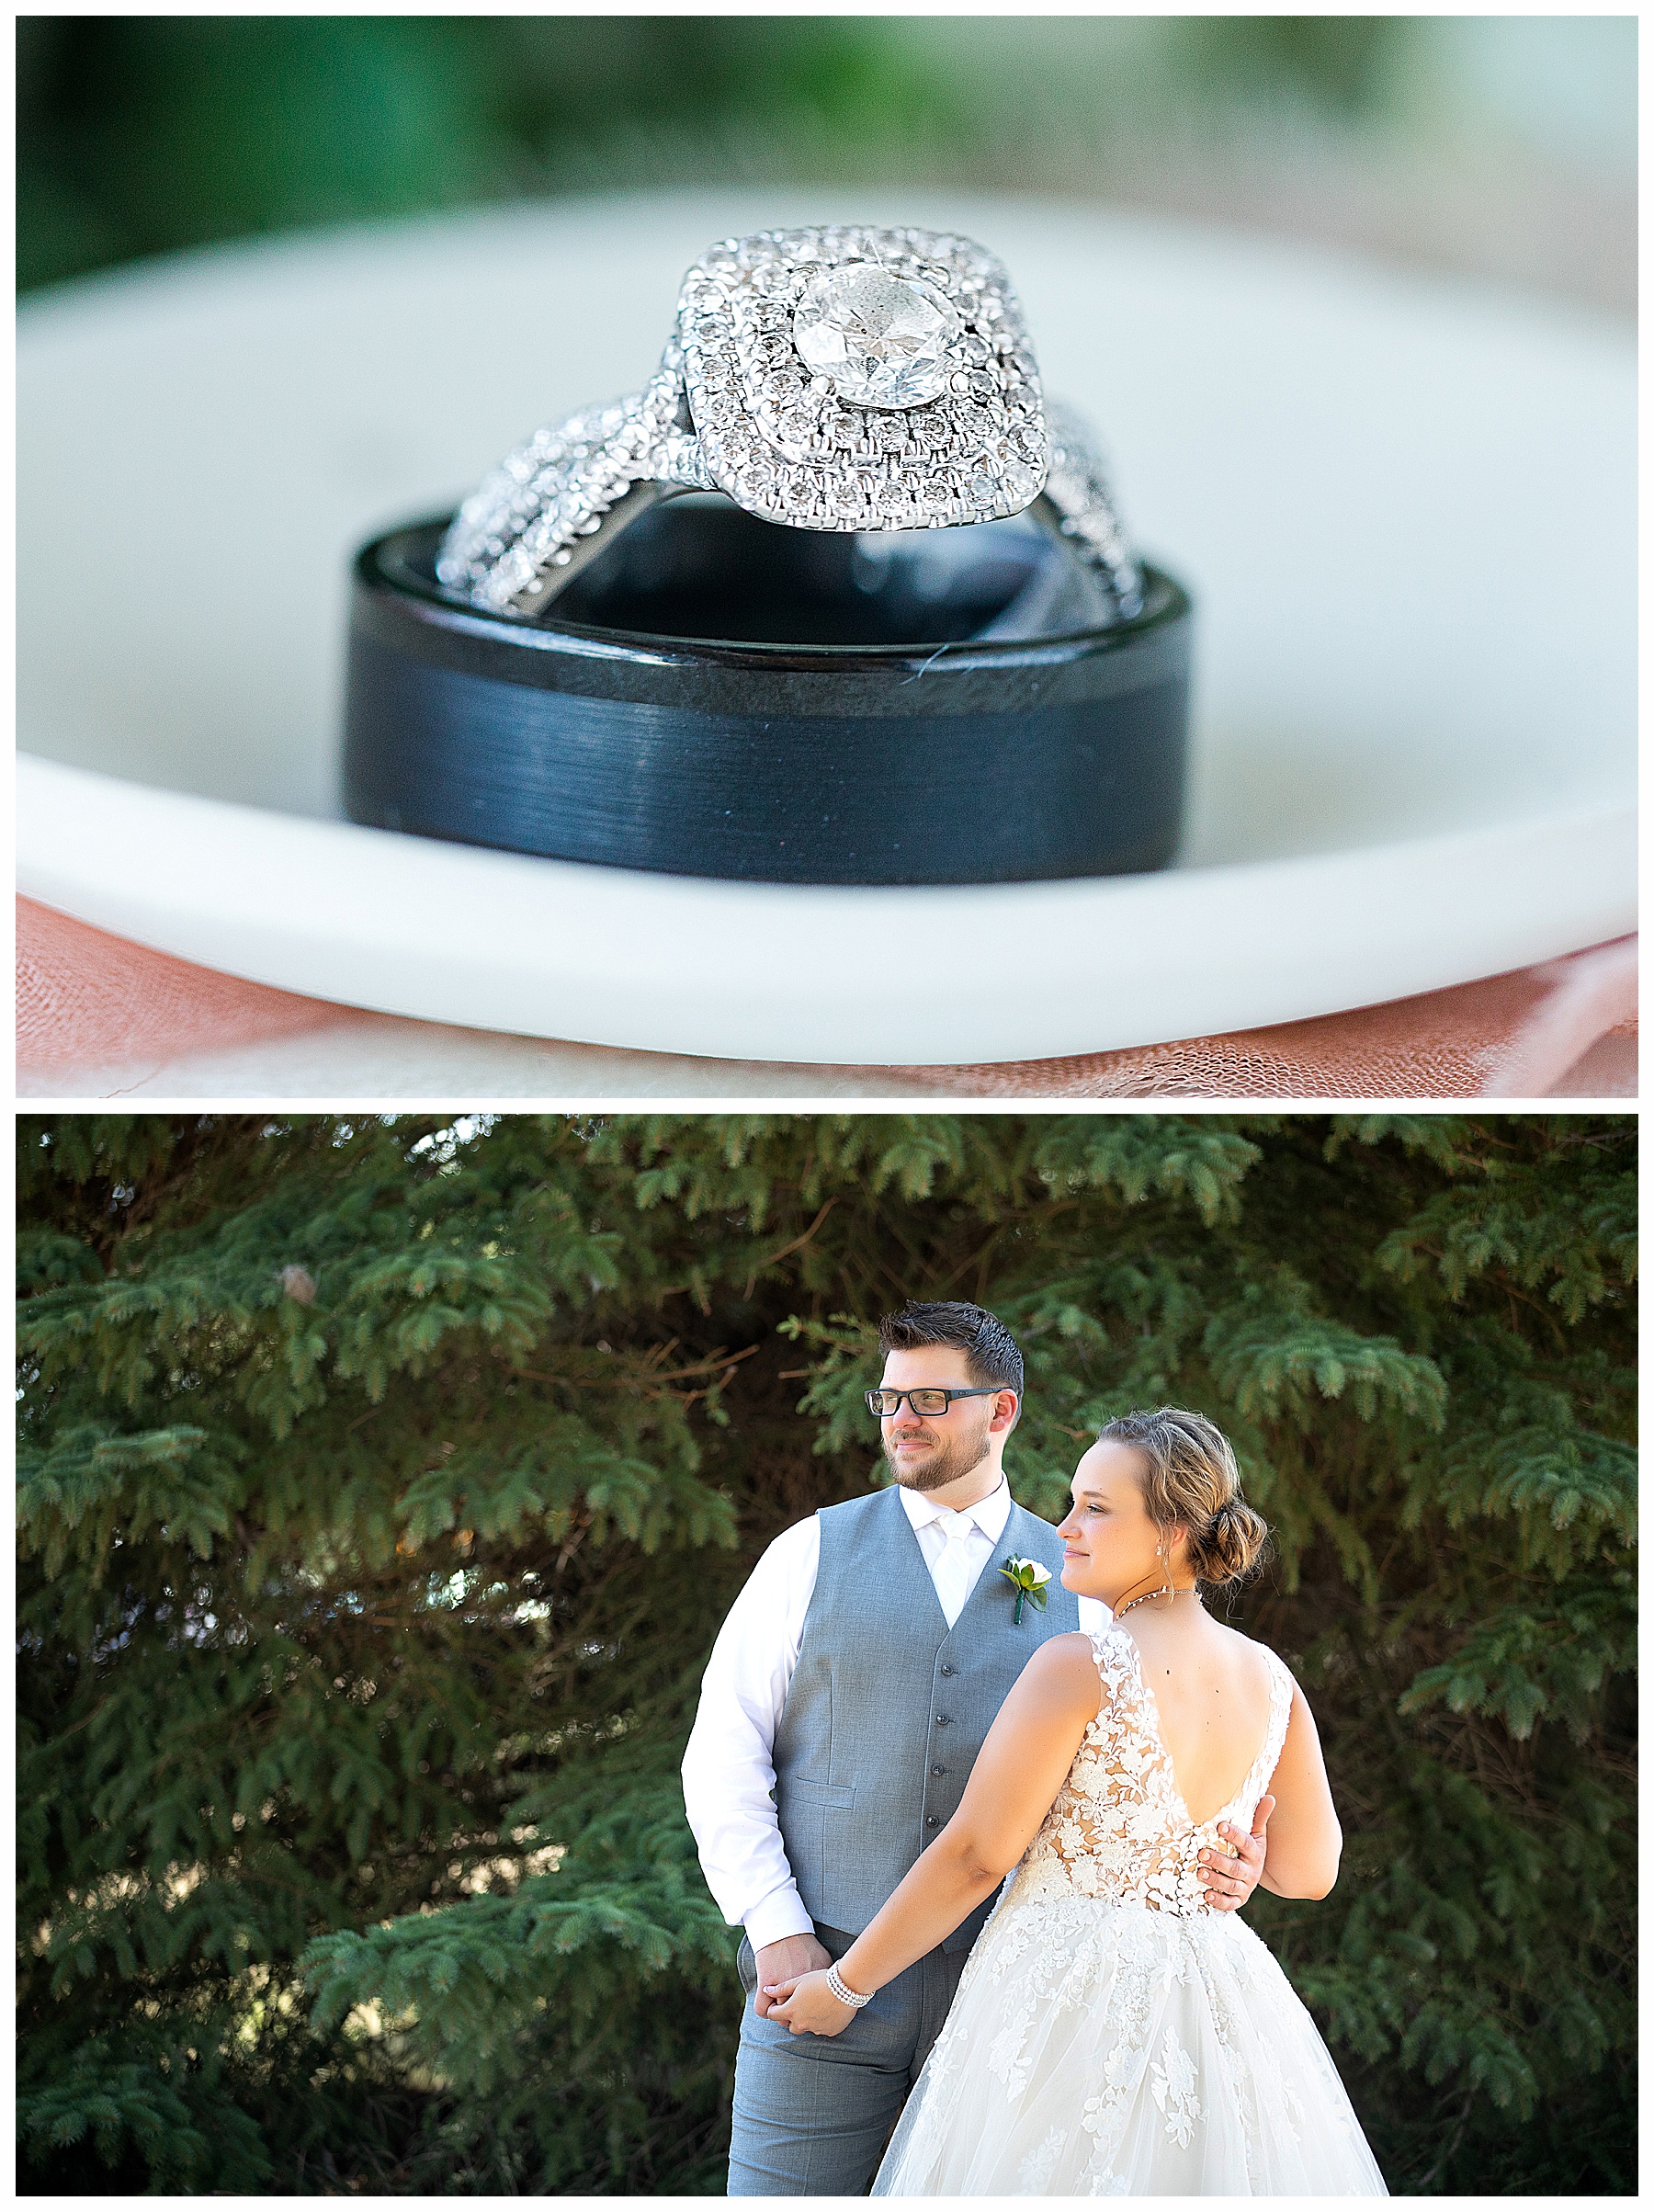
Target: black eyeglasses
x=886 y=1402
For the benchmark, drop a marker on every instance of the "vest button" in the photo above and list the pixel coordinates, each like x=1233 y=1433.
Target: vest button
x=947 y=1669
x=938 y=1770
x=942 y=1721
x=931 y=1820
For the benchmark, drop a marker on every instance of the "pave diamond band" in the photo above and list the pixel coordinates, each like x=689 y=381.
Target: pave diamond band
x=830 y=379
x=535 y=520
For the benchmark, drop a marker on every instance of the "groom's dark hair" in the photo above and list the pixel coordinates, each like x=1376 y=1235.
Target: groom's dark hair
x=989 y=1349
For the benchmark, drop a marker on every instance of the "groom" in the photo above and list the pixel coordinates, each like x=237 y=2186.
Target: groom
x=853 y=1682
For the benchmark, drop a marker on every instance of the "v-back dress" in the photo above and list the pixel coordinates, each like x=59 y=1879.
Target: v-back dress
x=1112 y=2034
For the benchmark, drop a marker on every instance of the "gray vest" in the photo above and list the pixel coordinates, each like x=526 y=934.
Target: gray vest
x=888 y=1706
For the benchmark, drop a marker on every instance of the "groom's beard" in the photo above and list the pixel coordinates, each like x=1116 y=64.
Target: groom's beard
x=944 y=1465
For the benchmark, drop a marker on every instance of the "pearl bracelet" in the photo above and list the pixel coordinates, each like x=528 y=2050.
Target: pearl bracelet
x=844 y=1992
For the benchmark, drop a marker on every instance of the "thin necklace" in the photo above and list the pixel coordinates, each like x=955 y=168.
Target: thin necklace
x=1167 y=1590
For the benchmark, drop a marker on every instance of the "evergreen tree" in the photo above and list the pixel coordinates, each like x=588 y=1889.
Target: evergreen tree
x=384 y=1481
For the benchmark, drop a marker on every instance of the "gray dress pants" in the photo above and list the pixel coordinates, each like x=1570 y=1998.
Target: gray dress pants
x=813 y=2113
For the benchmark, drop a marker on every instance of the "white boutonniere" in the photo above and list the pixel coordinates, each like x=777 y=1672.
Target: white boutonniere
x=1028 y=1578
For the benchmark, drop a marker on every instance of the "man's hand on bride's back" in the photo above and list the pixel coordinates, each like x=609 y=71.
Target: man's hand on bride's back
x=1231 y=1881
x=783 y=1962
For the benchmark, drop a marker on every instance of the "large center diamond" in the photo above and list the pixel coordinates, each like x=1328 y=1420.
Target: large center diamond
x=883 y=341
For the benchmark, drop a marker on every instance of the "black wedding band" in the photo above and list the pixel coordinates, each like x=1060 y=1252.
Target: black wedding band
x=723 y=696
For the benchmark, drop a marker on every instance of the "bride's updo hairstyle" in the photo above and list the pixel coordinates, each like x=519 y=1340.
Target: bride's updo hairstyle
x=1190 y=1479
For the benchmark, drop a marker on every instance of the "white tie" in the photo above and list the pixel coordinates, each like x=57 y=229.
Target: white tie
x=954 y=1573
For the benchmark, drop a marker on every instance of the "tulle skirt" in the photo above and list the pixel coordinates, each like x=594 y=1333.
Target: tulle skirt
x=1104 y=2049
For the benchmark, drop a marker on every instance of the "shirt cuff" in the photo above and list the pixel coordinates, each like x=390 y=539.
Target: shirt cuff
x=780 y=1914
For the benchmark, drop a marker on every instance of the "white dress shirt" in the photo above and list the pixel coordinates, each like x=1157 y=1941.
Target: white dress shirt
x=728 y=1768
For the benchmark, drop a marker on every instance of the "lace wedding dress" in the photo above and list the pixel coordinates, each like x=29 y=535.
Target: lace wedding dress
x=1114 y=2036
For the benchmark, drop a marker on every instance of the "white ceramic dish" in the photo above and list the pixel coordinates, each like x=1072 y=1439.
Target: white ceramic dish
x=1406 y=505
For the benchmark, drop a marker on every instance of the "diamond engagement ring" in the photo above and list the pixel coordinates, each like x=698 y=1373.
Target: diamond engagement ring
x=833 y=378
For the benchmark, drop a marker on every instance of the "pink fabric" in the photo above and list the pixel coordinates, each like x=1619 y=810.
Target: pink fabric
x=86 y=999
x=1572 y=1021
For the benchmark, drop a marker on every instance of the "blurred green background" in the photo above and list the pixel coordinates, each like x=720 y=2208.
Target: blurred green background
x=1505 y=145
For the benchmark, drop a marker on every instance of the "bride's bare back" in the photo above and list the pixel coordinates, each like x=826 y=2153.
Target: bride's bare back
x=1211 y=1694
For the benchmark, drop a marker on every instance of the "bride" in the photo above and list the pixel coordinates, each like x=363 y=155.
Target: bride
x=1113 y=2036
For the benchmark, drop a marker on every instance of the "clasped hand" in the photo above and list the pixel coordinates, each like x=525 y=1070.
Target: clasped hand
x=806 y=2006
